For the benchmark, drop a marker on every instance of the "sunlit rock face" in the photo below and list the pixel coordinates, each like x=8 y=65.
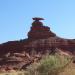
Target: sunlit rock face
x=40 y=37
x=39 y=31
x=19 y=54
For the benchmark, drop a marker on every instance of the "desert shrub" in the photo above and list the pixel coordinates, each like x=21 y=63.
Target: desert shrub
x=49 y=65
x=52 y=64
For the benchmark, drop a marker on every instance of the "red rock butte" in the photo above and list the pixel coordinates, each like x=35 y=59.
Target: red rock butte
x=39 y=31
x=41 y=40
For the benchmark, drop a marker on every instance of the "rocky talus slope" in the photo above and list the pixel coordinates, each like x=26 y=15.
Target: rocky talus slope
x=41 y=40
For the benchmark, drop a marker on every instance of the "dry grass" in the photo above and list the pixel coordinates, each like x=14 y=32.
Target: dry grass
x=49 y=65
x=14 y=73
x=69 y=70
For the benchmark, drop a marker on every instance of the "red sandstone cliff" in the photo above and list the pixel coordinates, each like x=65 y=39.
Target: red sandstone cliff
x=40 y=40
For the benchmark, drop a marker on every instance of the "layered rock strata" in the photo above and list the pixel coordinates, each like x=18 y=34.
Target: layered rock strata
x=41 y=40
x=38 y=31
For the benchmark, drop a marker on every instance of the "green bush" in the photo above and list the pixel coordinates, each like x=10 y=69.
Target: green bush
x=52 y=64
x=49 y=65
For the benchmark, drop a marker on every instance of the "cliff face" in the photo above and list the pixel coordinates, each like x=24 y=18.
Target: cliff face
x=40 y=40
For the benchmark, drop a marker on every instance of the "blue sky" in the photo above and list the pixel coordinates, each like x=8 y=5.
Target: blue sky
x=16 y=17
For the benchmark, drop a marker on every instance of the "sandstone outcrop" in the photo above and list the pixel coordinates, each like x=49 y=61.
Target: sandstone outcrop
x=41 y=40
x=38 y=31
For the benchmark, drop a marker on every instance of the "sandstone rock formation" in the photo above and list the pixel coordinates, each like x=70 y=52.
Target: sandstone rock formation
x=41 y=40
x=38 y=31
